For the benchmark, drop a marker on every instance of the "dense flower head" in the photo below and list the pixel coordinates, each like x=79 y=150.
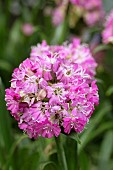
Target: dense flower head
x=54 y=90
x=107 y=33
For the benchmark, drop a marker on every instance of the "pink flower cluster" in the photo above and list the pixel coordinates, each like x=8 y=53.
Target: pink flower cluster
x=54 y=90
x=93 y=10
x=107 y=33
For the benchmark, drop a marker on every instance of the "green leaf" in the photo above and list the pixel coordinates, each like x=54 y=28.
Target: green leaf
x=48 y=165
x=106 y=150
x=71 y=153
x=83 y=161
x=60 y=33
x=61 y=153
x=12 y=150
x=53 y=157
x=6 y=137
x=31 y=162
x=14 y=46
x=101 y=48
x=106 y=107
x=101 y=129
x=109 y=91
x=5 y=65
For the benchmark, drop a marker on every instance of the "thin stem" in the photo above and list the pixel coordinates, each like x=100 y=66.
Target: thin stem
x=61 y=154
x=71 y=153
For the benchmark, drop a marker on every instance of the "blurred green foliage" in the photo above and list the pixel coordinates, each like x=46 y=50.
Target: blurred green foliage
x=17 y=151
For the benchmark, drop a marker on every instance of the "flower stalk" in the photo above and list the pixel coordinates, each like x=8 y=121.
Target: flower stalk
x=61 y=154
x=72 y=154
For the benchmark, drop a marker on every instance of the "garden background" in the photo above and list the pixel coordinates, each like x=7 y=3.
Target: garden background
x=24 y=23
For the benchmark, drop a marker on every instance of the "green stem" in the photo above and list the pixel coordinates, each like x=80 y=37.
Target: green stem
x=61 y=154
x=71 y=153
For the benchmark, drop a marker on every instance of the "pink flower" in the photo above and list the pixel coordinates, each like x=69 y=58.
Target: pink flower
x=48 y=130
x=93 y=17
x=27 y=29
x=59 y=12
x=107 y=33
x=76 y=124
x=90 y=4
x=93 y=10
x=56 y=93
x=54 y=89
x=12 y=99
x=40 y=49
x=58 y=15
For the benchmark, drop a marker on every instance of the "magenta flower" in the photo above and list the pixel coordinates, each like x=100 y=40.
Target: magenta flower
x=27 y=29
x=107 y=33
x=58 y=15
x=93 y=17
x=59 y=12
x=54 y=90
